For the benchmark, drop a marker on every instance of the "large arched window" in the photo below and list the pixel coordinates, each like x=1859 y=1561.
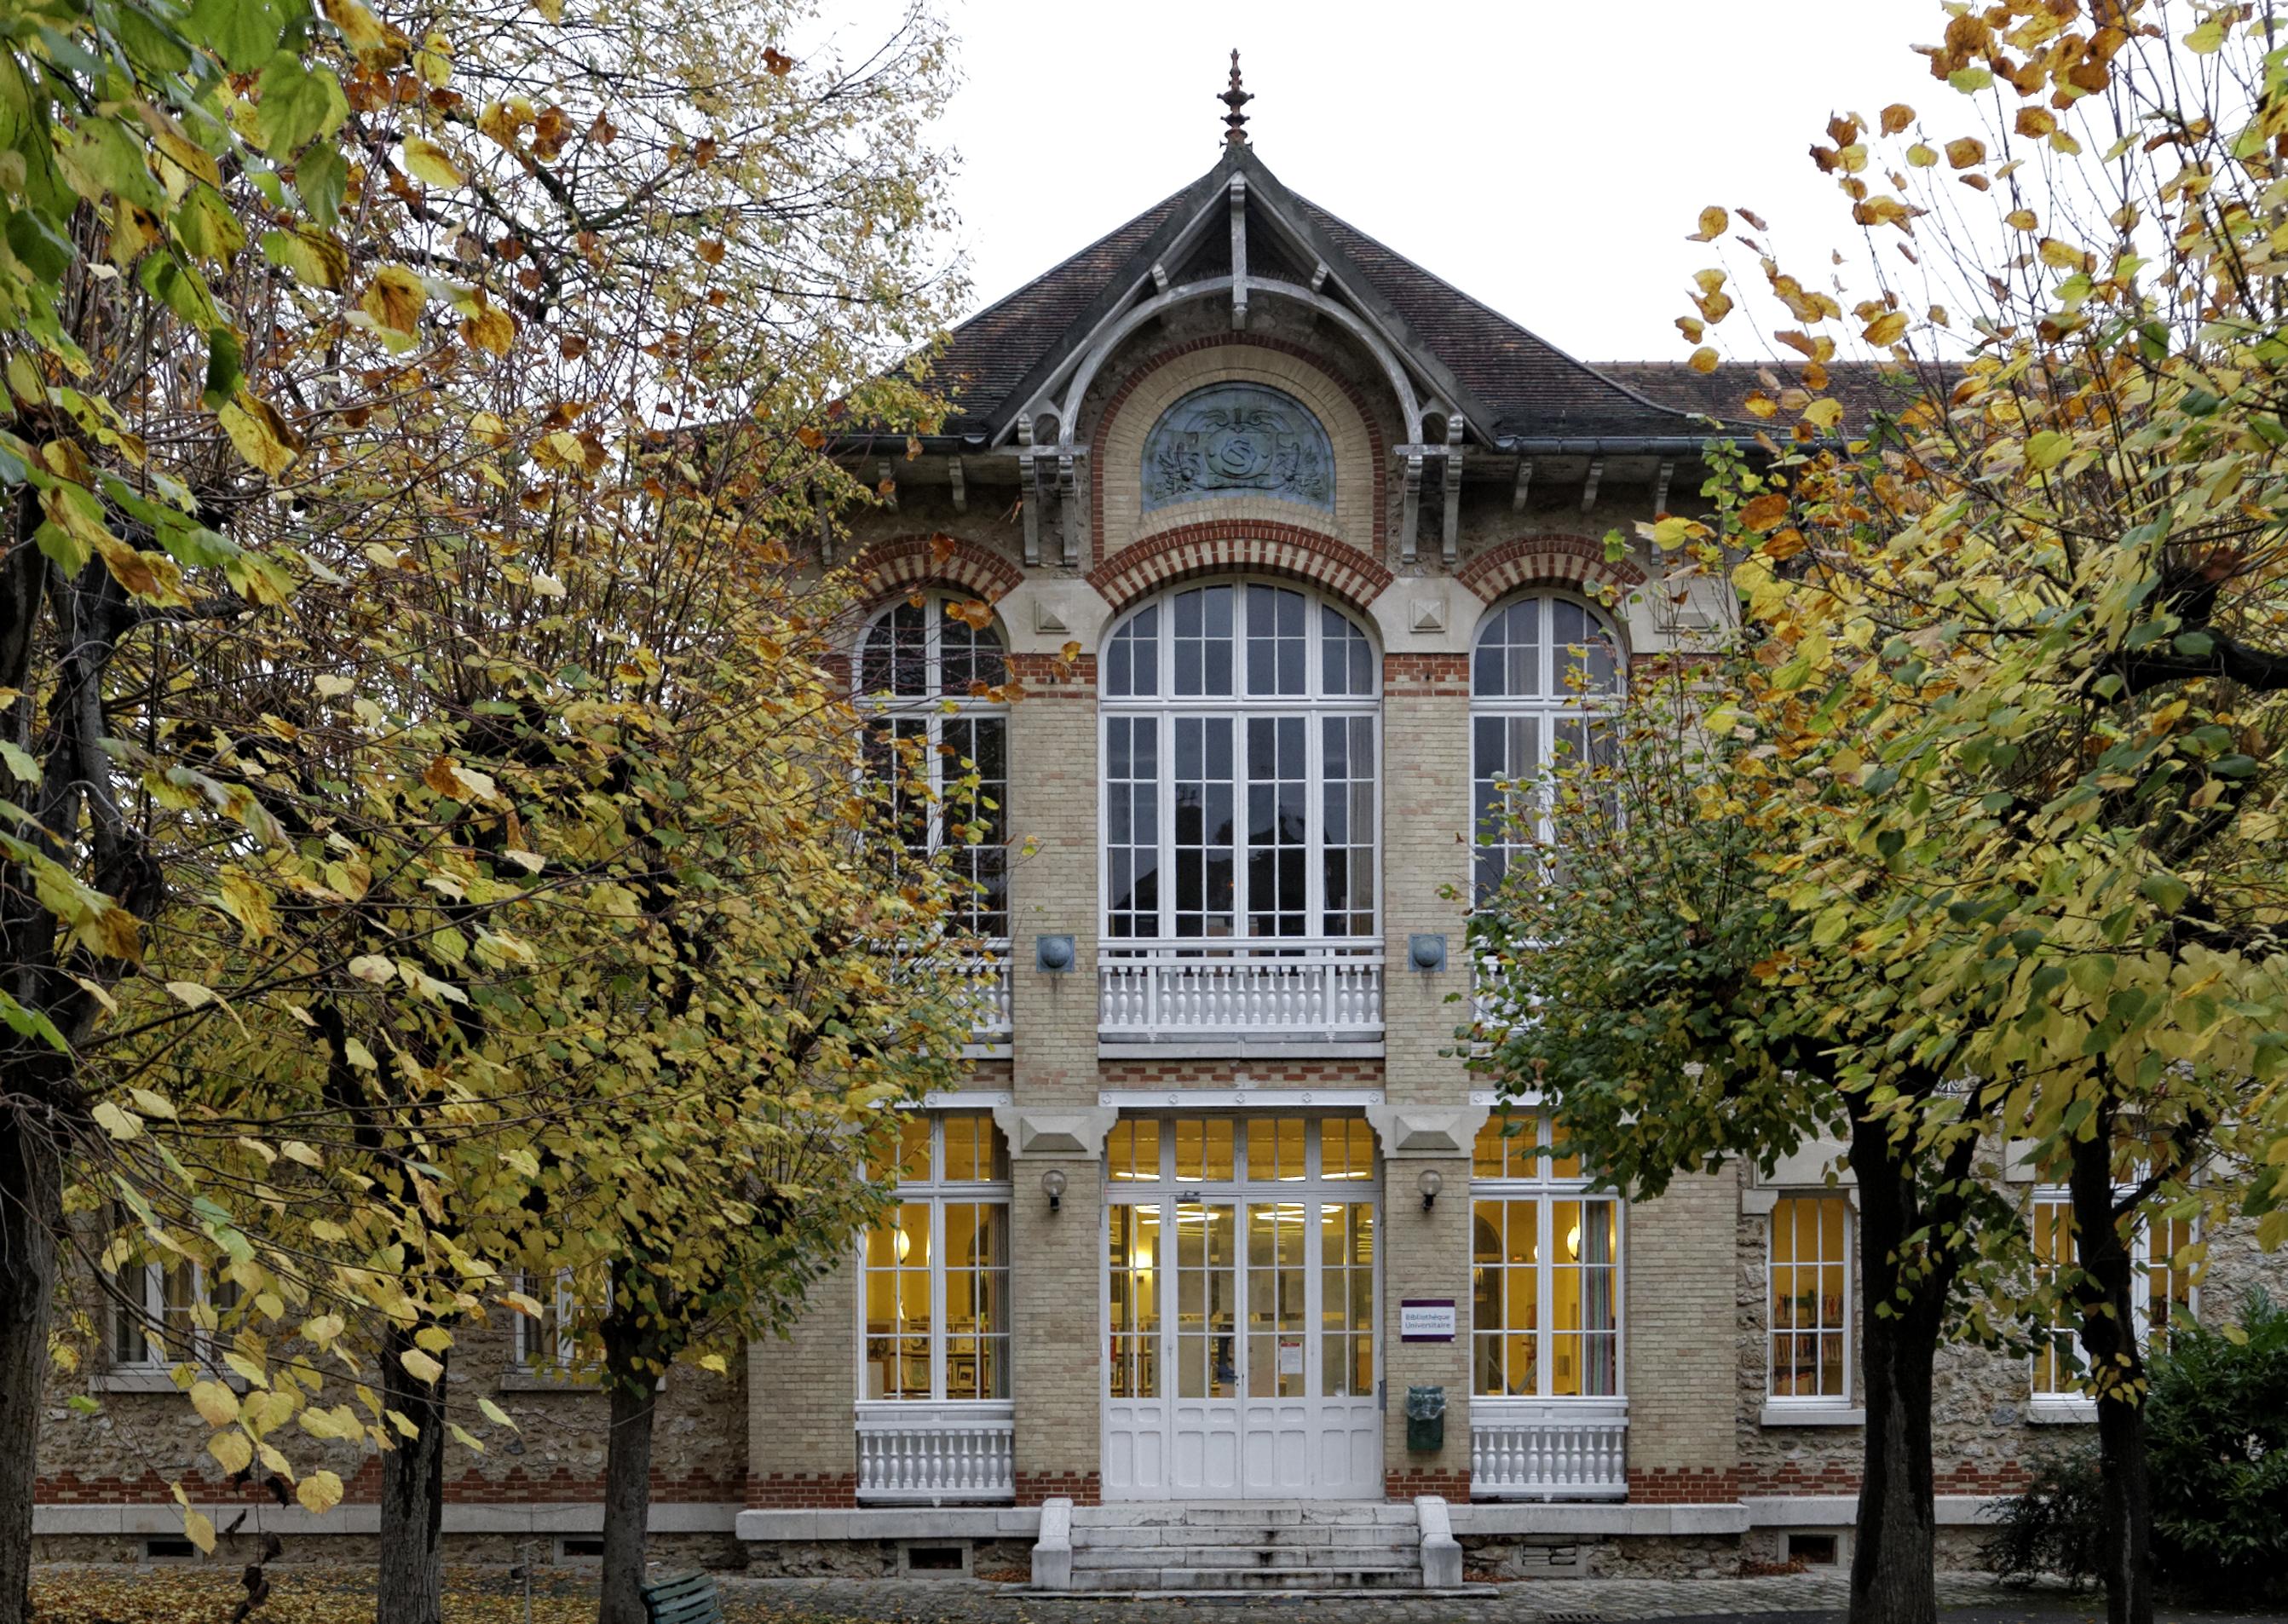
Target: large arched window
x=929 y=672
x=1240 y=768
x=1544 y=672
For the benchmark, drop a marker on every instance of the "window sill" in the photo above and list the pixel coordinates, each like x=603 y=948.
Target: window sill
x=134 y=1382
x=2061 y=1412
x=1780 y=1414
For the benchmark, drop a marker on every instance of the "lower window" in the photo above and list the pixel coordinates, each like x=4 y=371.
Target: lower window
x=936 y=1266
x=1810 y=1299
x=2059 y=1368
x=1545 y=1255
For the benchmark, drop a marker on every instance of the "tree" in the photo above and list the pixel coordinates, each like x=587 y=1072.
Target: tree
x=2031 y=614
x=345 y=733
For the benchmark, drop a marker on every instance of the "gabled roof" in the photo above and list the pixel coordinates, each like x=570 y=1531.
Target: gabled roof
x=1506 y=380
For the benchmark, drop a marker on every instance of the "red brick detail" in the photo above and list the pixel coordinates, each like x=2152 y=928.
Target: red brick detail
x=515 y=1487
x=1378 y=451
x=1047 y=676
x=903 y=561
x=1964 y=1478
x=1405 y=1482
x=1560 y=559
x=1427 y=676
x=1682 y=1485
x=1224 y=1074
x=1082 y=1488
x=1240 y=544
x=784 y=1491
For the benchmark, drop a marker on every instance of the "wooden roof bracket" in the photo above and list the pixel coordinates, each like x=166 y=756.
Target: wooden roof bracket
x=1589 y=486
x=1449 y=544
x=1238 y=253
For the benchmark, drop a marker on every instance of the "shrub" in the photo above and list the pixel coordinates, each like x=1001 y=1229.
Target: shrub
x=2217 y=1466
x=2056 y=1526
x=2219 y=1439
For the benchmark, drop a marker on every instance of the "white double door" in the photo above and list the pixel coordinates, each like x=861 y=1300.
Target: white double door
x=1244 y=1359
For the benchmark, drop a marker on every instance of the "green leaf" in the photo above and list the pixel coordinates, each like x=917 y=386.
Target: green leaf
x=243 y=33
x=225 y=367
x=322 y=175
x=297 y=104
x=44 y=254
x=2166 y=892
x=2047 y=449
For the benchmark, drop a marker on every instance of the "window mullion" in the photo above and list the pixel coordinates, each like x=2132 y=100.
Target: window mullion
x=1314 y=818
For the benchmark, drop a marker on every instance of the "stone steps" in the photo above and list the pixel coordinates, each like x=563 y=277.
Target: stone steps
x=1271 y=1545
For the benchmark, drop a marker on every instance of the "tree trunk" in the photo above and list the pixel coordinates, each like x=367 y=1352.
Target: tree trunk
x=2109 y=1337
x=410 y=1585
x=31 y=1217
x=1893 y=1550
x=627 y=1497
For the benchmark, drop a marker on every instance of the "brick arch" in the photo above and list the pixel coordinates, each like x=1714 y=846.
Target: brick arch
x=1541 y=561
x=1378 y=443
x=903 y=562
x=1236 y=547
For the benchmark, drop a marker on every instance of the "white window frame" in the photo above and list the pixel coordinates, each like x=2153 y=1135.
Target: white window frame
x=165 y=1345
x=2066 y=1406
x=1546 y=1188
x=937 y=1192
x=932 y=708
x=1799 y=1409
x=1558 y=703
x=529 y=1358
x=1163 y=707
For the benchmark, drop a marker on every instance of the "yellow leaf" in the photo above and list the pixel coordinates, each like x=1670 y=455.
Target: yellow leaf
x=2208 y=37
x=492 y=330
x=1896 y=118
x=322 y=1329
x=420 y=1367
x=1712 y=222
x=1824 y=413
x=2061 y=255
x=1887 y=328
x=394 y=299
x=115 y=1121
x=198 y=1527
x=1920 y=156
x=153 y=1105
x=216 y=1404
x=192 y=994
x=1966 y=150
x=260 y=434
x=232 y=1449
x=1703 y=359
x=427 y=163
x=319 y=1493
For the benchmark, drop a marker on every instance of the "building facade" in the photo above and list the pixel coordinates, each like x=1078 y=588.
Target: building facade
x=1296 y=554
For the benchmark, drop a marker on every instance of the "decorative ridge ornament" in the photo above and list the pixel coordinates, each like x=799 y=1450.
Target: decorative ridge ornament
x=1234 y=133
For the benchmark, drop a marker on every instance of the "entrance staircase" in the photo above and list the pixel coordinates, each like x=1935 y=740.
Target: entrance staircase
x=1254 y=1546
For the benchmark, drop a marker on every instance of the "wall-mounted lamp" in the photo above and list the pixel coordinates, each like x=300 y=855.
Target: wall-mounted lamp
x=1429 y=1182
x=1052 y=953
x=1052 y=1185
x=1426 y=952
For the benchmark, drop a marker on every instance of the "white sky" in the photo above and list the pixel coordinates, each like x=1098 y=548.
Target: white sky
x=1545 y=156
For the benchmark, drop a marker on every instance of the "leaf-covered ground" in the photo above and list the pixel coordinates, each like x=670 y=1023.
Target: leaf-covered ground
x=203 y=1593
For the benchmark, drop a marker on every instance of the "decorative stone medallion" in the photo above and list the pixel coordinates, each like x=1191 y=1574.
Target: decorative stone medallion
x=1238 y=437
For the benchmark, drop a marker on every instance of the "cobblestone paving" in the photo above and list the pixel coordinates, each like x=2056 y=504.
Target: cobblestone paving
x=1556 y=1601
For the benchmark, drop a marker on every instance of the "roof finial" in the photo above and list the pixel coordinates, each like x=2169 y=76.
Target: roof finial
x=1235 y=132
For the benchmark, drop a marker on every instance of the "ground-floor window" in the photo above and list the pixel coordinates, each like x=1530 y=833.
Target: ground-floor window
x=2060 y=1366
x=1546 y=1256
x=1809 y=1325
x=936 y=1273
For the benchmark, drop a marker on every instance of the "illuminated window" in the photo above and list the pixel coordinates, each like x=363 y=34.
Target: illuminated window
x=935 y=1283
x=1545 y=1274
x=2157 y=1250
x=1810 y=1298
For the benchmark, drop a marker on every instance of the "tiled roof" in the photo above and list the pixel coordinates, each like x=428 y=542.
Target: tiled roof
x=1860 y=385
x=1512 y=382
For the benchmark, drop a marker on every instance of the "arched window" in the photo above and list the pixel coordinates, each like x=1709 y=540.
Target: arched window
x=928 y=670
x=1544 y=671
x=1240 y=768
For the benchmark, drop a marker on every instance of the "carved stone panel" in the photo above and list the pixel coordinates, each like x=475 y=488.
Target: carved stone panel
x=1231 y=438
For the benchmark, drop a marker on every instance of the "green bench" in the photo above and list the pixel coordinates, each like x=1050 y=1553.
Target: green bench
x=690 y=1599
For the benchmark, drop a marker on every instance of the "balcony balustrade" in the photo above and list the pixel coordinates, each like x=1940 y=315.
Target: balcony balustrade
x=1549 y=1448
x=1286 y=989
x=931 y=1454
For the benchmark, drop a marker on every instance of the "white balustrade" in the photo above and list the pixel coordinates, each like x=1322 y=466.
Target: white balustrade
x=992 y=1023
x=1549 y=1449
x=1283 y=988
x=936 y=1454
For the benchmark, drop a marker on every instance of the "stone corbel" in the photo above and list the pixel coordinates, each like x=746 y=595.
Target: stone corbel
x=1029 y=488
x=958 y=478
x=1441 y=1131
x=1067 y=509
x=1660 y=488
x=1589 y=486
x=1450 y=544
x=1078 y=1130
x=1525 y=485
x=1411 y=505
x=886 y=484
x=1803 y=1173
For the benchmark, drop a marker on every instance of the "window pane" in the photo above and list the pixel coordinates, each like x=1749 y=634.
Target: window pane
x=1345 y=1148
x=1346 y=1299
x=896 y=656
x=969 y=657
x=1131 y=1150
x=1345 y=660
x=1207 y=1291
x=1810 y=1304
x=1203 y=817
x=1132 y=1263
x=1277 y=830
x=1132 y=663
x=1133 y=826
